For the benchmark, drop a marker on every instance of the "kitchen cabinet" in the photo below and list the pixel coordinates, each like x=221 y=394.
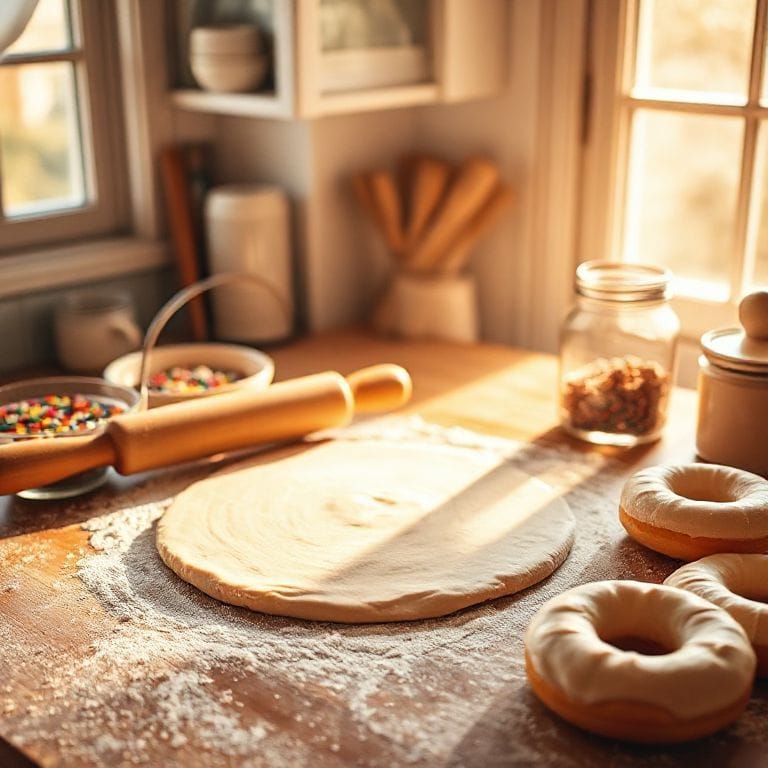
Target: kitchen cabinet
x=342 y=56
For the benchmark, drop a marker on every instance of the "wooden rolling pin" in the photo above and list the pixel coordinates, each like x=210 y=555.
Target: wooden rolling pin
x=135 y=442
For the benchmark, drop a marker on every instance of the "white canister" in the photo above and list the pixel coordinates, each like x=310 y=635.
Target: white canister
x=248 y=232
x=428 y=307
x=733 y=391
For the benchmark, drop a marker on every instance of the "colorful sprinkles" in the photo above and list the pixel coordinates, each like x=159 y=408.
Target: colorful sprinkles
x=56 y=414
x=181 y=380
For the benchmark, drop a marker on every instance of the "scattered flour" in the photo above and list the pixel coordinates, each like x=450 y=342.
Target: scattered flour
x=178 y=669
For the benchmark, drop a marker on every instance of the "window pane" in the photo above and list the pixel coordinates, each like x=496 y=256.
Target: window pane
x=41 y=153
x=695 y=45
x=759 y=277
x=682 y=188
x=48 y=29
x=362 y=24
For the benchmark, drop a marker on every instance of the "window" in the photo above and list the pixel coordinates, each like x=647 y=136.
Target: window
x=62 y=174
x=676 y=169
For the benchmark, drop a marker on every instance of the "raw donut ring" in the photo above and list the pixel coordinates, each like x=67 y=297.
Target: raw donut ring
x=730 y=581
x=692 y=510
x=581 y=662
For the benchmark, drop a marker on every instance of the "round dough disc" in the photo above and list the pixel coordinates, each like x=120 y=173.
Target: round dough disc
x=366 y=531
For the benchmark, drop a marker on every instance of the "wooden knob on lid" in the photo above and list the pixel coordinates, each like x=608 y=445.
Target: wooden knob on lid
x=753 y=315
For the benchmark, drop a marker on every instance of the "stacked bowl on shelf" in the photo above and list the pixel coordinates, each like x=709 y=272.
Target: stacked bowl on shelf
x=228 y=59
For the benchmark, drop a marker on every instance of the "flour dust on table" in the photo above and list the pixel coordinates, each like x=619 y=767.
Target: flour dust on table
x=181 y=669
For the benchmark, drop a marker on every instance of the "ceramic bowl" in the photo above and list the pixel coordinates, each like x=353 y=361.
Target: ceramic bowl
x=233 y=38
x=228 y=72
x=107 y=393
x=254 y=367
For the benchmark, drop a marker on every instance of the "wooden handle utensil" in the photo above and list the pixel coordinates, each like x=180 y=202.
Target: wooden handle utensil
x=470 y=189
x=386 y=202
x=181 y=225
x=428 y=180
x=135 y=442
x=457 y=256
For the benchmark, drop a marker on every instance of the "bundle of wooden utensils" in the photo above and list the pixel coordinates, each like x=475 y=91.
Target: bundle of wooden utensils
x=431 y=221
x=430 y=216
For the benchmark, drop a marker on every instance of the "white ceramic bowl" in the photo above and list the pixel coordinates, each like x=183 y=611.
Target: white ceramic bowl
x=228 y=73
x=235 y=38
x=256 y=368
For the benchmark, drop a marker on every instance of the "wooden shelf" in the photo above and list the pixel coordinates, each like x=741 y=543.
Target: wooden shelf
x=380 y=98
x=468 y=61
x=269 y=105
x=246 y=104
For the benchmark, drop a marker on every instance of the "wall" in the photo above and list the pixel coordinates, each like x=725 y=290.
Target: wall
x=341 y=263
x=505 y=128
x=27 y=321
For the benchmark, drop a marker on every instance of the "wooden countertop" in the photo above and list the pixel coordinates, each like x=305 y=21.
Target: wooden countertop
x=52 y=622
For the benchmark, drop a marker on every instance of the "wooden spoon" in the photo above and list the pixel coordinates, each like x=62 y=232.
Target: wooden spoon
x=428 y=181
x=470 y=189
x=457 y=256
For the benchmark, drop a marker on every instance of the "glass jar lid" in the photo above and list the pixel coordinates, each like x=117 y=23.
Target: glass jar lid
x=742 y=348
x=623 y=282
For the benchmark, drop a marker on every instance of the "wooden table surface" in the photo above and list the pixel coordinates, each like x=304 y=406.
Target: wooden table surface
x=48 y=616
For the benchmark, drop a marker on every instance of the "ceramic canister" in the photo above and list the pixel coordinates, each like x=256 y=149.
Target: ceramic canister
x=733 y=398
x=248 y=233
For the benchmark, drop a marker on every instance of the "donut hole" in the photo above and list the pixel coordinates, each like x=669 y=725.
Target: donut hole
x=754 y=592
x=763 y=599
x=753 y=586
x=702 y=486
x=644 y=645
x=633 y=629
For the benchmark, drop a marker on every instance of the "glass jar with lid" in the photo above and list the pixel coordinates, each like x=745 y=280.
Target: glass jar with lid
x=618 y=352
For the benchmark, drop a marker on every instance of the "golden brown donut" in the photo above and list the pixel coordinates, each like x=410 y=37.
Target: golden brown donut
x=689 y=511
x=690 y=675
x=738 y=584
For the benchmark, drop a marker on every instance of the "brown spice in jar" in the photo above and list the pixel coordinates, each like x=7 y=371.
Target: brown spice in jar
x=624 y=395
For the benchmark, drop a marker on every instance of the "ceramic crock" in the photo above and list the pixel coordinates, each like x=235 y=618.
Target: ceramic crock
x=732 y=424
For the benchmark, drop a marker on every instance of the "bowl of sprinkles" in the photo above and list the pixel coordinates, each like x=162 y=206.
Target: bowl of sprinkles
x=178 y=372
x=62 y=407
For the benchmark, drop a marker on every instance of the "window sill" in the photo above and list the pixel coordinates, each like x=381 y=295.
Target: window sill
x=79 y=264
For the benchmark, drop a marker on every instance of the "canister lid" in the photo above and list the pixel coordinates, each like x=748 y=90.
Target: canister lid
x=246 y=201
x=732 y=348
x=742 y=348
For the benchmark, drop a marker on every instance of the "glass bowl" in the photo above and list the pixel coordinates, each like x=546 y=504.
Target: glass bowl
x=92 y=388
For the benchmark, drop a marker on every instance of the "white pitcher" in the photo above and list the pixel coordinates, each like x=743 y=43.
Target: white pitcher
x=92 y=328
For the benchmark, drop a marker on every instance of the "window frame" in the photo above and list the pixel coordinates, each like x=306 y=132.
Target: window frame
x=613 y=30
x=97 y=81
x=147 y=124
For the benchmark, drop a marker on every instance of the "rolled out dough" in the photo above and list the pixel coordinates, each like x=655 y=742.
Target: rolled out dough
x=366 y=531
